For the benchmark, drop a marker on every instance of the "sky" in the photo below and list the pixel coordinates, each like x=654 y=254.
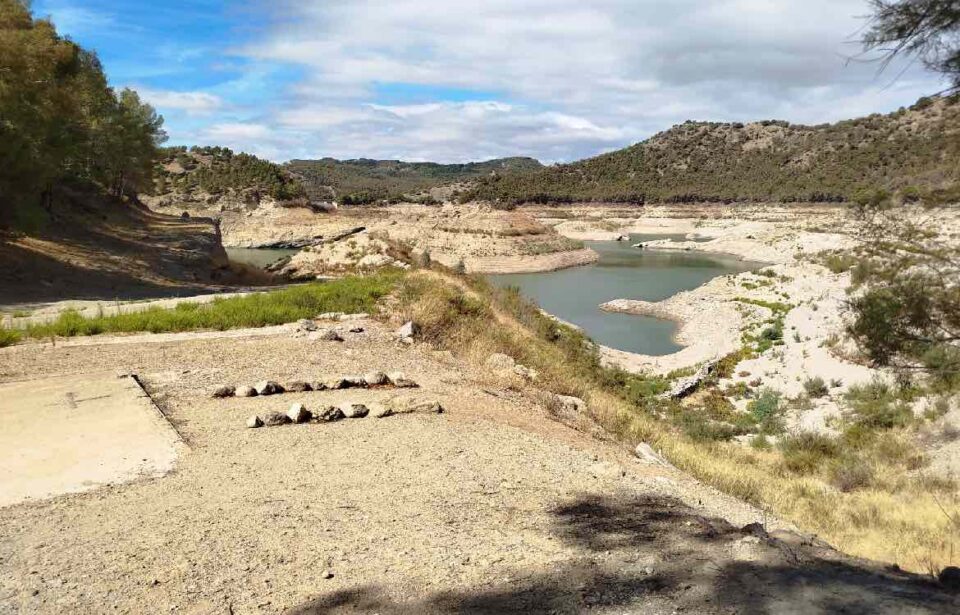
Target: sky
x=455 y=81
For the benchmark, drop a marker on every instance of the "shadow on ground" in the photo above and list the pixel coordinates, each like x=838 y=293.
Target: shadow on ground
x=656 y=555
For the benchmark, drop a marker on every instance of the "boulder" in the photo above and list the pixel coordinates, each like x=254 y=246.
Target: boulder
x=568 y=404
x=686 y=386
x=272 y=419
x=330 y=335
x=329 y=413
x=354 y=411
x=400 y=381
x=298 y=386
x=646 y=454
x=330 y=316
x=623 y=237
x=334 y=384
x=375 y=378
x=525 y=372
x=305 y=324
x=298 y=413
x=267 y=387
x=408 y=330
x=254 y=421
x=373 y=261
x=500 y=362
x=246 y=391
x=224 y=391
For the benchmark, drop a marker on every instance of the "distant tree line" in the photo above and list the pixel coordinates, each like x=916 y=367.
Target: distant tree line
x=60 y=122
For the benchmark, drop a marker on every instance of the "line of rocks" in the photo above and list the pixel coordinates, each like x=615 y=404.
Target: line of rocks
x=271 y=387
x=298 y=413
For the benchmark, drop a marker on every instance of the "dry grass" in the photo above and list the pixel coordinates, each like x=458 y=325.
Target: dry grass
x=897 y=516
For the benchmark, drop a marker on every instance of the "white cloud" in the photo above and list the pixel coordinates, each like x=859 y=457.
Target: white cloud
x=571 y=78
x=192 y=103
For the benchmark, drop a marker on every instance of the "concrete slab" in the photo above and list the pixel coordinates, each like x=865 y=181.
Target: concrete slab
x=69 y=434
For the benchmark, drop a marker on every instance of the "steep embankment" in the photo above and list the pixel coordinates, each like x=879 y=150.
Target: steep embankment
x=911 y=149
x=95 y=247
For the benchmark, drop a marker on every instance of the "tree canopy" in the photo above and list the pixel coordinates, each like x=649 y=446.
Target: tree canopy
x=926 y=29
x=60 y=121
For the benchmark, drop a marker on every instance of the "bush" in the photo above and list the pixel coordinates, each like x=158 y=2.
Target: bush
x=765 y=405
x=804 y=452
x=8 y=337
x=815 y=387
x=851 y=473
x=877 y=406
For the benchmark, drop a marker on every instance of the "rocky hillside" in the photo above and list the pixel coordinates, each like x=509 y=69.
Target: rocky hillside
x=216 y=177
x=761 y=161
x=365 y=181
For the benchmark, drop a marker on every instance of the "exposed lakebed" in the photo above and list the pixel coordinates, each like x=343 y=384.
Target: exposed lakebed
x=624 y=272
x=258 y=257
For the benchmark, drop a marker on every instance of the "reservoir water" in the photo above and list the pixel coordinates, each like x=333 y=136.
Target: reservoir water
x=623 y=272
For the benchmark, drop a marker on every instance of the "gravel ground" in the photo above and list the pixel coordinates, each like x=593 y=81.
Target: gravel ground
x=490 y=507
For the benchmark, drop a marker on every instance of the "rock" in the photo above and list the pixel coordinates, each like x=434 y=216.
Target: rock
x=267 y=387
x=334 y=384
x=246 y=391
x=298 y=386
x=327 y=574
x=330 y=316
x=500 y=362
x=224 y=391
x=298 y=413
x=373 y=261
x=406 y=340
x=408 y=330
x=330 y=335
x=639 y=245
x=353 y=382
x=306 y=324
x=254 y=421
x=329 y=413
x=570 y=405
x=400 y=381
x=949 y=577
x=349 y=317
x=623 y=238
x=272 y=419
x=375 y=378
x=525 y=372
x=354 y=411
x=685 y=386
x=754 y=529
x=407 y=405
x=646 y=454
x=380 y=411
x=356 y=329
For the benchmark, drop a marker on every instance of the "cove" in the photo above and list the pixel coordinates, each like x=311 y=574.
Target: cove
x=623 y=272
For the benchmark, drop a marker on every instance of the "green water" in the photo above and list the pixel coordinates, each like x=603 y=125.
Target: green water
x=623 y=272
x=257 y=257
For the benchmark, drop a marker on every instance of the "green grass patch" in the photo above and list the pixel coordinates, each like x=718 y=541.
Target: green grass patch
x=9 y=337
x=352 y=294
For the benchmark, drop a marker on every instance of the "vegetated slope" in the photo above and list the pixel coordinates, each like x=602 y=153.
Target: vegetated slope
x=212 y=174
x=363 y=181
x=762 y=161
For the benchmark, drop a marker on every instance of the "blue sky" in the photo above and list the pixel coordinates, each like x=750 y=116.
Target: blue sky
x=439 y=80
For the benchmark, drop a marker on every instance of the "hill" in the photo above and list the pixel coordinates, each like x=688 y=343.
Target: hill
x=762 y=161
x=364 y=181
x=213 y=174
